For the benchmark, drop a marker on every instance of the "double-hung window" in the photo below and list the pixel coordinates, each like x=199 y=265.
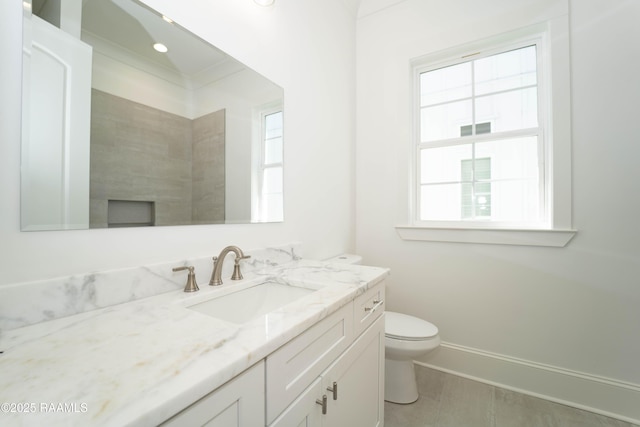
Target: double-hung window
x=269 y=194
x=480 y=146
x=492 y=146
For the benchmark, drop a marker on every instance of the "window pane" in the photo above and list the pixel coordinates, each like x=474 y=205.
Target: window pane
x=272 y=207
x=482 y=168
x=443 y=164
x=496 y=201
x=476 y=198
x=272 y=181
x=513 y=110
x=444 y=121
x=509 y=70
x=515 y=201
x=445 y=84
x=482 y=199
x=480 y=129
x=273 y=125
x=273 y=151
x=510 y=158
x=476 y=205
x=440 y=202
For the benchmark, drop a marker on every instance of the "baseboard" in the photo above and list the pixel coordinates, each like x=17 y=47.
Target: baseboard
x=605 y=396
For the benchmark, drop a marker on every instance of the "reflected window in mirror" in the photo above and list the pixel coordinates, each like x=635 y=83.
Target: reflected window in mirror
x=269 y=192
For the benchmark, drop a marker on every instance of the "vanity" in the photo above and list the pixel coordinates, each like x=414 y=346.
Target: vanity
x=168 y=360
x=329 y=375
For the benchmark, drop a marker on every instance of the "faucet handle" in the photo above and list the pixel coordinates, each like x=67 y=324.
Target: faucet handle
x=237 y=274
x=191 y=285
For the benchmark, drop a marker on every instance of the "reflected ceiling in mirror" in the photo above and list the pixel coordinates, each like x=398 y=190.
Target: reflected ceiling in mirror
x=117 y=134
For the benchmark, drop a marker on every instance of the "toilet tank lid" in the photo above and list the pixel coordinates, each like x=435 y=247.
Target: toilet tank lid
x=403 y=326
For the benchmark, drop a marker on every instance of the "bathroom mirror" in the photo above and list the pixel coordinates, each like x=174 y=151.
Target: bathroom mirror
x=117 y=134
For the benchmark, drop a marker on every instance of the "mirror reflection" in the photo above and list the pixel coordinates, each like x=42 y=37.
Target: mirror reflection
x=129 y=120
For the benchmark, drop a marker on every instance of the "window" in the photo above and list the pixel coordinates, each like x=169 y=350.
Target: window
x=270 y=170
x=481 y=140
x=491 y=157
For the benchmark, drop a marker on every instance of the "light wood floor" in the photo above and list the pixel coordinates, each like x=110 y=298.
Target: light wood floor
x=450 y=401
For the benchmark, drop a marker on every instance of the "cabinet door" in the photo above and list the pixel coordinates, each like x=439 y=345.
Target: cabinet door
x=305 y=410
x=238 y=403
x=359 y=376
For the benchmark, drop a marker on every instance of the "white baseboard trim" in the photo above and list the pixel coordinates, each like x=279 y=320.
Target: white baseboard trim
x=601 y=395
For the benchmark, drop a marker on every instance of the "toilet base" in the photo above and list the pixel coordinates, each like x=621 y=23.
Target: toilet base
x=400 y=384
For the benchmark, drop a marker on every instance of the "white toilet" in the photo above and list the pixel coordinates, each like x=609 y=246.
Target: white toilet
x=406 y=338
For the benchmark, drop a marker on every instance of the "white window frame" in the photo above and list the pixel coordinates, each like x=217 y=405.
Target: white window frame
x=554 y=100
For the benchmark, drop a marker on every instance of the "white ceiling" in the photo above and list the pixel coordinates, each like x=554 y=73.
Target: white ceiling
x=134 y=28
x=367 y=7
x=126 y=28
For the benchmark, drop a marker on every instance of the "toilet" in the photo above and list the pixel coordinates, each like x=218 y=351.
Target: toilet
x=406 y=338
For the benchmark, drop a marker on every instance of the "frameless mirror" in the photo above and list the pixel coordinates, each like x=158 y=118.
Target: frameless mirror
x=119 y=134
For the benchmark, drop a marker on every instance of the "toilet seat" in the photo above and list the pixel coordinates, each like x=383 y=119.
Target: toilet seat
x=404 y=327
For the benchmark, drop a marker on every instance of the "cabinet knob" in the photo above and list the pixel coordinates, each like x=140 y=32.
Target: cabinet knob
x=334 y=390
x=323 y=403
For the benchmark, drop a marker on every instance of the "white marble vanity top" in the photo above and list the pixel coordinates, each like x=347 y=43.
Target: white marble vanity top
x=139 y=362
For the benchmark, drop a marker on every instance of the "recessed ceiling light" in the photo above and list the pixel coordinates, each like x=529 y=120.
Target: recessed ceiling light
x=264 y=2
x=160 y=47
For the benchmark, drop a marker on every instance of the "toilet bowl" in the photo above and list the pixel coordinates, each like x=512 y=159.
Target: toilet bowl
x=406 y=338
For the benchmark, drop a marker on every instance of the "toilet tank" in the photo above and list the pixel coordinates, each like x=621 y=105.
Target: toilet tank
x=346 y=259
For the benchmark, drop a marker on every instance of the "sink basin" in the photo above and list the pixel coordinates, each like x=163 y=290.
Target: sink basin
x=247 y=304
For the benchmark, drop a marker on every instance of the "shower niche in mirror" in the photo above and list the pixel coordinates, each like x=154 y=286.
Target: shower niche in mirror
x=186 y=136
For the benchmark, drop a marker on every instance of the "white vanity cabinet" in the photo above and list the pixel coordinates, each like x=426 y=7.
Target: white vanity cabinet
x=331 y=375
x=299 y=377
x=238 y=403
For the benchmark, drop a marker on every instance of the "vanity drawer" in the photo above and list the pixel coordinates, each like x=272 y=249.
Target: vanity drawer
x=367 y=308
x=294 y=366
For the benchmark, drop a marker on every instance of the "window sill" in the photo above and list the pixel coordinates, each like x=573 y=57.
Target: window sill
x=494 y=236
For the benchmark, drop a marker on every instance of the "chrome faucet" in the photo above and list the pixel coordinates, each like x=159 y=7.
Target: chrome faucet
x=219 y=260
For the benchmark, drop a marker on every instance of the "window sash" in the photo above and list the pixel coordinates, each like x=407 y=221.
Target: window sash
x=537 y=217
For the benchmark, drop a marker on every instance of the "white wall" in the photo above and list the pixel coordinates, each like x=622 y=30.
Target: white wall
x=304 y=46
x=557 y=322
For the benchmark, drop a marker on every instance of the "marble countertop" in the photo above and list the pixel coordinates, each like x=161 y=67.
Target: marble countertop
x=140 y=362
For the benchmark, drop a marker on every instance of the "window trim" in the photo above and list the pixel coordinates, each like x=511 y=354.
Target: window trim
x=558 y=231
x=496 y=236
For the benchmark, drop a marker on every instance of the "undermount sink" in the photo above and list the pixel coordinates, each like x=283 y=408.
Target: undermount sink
x=247 y=304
